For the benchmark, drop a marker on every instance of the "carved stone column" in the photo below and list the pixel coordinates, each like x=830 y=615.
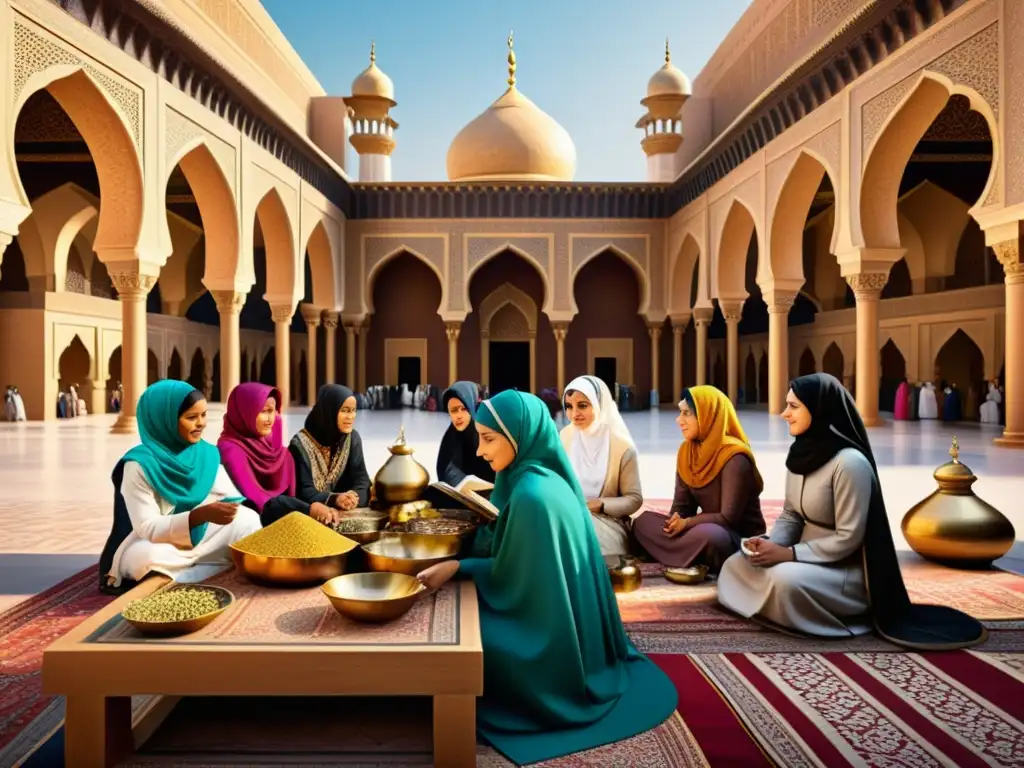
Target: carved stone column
x=311 y=316
x=732 y=311
x=678 y=332
x=98 y=396
x=132 y=290
x=229 y=307
x=364 y=334
x=654 y=331
x=282 y=314
x=452 y=332
x=350 y=354
x=1008 y=253
x=867 y=288
x=330 y=321
x=701 y=321
x=560 y=330
x=779 y=303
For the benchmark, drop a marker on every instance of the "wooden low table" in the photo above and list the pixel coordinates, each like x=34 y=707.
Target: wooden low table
x=270 y=642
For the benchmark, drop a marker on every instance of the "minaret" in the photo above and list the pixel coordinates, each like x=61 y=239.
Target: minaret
x=373 y=130
x=667 y=91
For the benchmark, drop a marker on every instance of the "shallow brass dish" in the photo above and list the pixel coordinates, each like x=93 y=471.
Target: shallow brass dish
x=290 y=571
x=694 y=575
x=440 y=527
x=410 y=553
x=626 y=576
x=166 y=628
x=361 y=525
x=373 y=596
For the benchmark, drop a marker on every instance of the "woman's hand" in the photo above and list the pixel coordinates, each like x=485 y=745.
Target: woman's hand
x=436 y=576
x=322 y=513
x=218 y=513
x=595 y=505
x=675 y=525
x=768 y=553
x=346 y=501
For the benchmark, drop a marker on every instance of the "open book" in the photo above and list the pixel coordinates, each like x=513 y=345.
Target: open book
x=474 y=483
x=471 y=499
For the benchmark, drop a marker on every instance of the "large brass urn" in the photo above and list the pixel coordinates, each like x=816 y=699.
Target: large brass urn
x=953 y=526
x=402 y=478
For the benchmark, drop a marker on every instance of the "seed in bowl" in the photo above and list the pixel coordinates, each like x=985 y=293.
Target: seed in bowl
x=175 y=604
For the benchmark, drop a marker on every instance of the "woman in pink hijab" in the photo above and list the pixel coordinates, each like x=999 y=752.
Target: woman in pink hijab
x=252 y=451
x=901 y=408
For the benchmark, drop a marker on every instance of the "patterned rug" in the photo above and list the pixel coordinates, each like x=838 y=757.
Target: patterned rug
x=730 y=715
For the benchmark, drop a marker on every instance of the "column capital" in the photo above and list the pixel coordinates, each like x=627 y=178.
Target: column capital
x=350 y=328
x=779 y=301
x=702 y=316
x=560 y=330
x=330 y=319
x=732 y=309
x=1008 y=253
x=310 y=315
x=678 y=329
x=654 y=331
x=363 y=326
x=282 y=313
x=867 y=286
x=452 y=331
x=130 y=283
x=228 y=302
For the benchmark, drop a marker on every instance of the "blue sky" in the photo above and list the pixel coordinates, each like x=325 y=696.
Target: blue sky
x=584 y=62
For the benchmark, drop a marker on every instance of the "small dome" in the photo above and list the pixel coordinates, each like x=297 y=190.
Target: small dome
x=513 y=139
x=372 y=81
x=668 y=81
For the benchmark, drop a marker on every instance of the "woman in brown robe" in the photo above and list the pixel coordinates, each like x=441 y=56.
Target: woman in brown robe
x=717 y=492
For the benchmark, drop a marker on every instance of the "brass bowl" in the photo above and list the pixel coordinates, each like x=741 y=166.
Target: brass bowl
x=410 y=553
x=167 y=628
x=361 y=525
x=290 y=571
x=440 y=527
x=626 y=577
x=373 y=596
x=694 y=575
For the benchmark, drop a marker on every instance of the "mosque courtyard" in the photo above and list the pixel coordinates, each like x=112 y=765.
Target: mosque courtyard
x=57 y=497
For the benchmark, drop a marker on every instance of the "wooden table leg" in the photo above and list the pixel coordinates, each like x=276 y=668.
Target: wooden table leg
x=97 y=731
x=454 y=731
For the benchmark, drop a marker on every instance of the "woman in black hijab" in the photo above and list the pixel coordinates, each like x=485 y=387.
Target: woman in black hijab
x=456 y=458
x=829 y=566
x=330 y=472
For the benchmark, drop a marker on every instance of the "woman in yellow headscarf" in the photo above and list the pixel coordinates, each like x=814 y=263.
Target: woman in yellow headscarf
x=718 y=488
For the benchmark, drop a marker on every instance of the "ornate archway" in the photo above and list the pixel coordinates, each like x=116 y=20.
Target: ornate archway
x=508 y=315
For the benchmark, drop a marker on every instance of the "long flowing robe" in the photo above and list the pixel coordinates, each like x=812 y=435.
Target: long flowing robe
x=990 y=408
x=901 y=409
x=560 y=674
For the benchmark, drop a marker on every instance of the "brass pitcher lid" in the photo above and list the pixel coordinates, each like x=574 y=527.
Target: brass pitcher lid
x=953 y=475
x=400 y=448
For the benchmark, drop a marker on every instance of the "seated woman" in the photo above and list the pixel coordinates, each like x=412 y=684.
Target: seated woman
x=457 y=458
x=330 y=472
x=829 y=567
x=717 y=497
x=252 y=451
x=603 y=456
x=560 y=674
x=176 y=511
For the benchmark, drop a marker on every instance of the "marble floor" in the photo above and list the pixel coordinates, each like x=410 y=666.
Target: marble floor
x=55 y=502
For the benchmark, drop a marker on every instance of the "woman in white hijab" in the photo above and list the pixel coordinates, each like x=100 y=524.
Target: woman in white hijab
x=604 y=458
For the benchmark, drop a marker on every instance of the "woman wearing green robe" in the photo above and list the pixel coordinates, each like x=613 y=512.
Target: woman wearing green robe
x=560 y=674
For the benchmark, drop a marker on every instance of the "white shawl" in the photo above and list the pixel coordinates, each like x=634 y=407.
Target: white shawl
x=590 y=449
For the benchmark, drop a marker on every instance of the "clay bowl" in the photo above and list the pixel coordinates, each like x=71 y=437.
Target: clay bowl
x=167 y=628
x=375 y=597
x=410 y=553
x=694 y=575
x=290 y=571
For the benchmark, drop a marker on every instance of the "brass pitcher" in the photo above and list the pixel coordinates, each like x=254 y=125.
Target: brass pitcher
x=402 y=478
x=626 y=576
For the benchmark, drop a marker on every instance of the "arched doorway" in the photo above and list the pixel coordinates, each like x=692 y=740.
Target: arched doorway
x=749 y=379
x=894 y=371
x=808 y=364
x=197 y=370
x=718 y=372
x=832 y=361
x=762 y=374
x=960 y=364
x=268 y=368
x=214 y=393
x=508 y=319
x=113 y=376
x=243 y=374
x=74 y=368
x=152 y=368
x=174 y=368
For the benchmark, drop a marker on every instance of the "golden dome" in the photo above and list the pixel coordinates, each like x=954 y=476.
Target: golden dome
x=513 y=139
x=373 y=82
x=668 y=81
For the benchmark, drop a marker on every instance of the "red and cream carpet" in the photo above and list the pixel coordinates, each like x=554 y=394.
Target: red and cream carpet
x=748 y=696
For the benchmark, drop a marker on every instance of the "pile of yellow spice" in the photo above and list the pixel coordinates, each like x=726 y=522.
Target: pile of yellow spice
x=295 y=536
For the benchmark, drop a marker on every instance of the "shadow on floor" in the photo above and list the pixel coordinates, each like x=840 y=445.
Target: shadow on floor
x=29 y=574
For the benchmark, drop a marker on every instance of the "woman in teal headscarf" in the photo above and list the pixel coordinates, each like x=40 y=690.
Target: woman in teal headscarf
x=560 y=675
x=176 y=511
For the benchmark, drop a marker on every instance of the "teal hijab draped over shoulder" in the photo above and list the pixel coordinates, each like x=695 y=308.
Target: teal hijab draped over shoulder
x=560 y=674
x=181 y=472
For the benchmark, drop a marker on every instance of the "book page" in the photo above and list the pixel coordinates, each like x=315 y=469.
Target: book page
x=473 y=483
